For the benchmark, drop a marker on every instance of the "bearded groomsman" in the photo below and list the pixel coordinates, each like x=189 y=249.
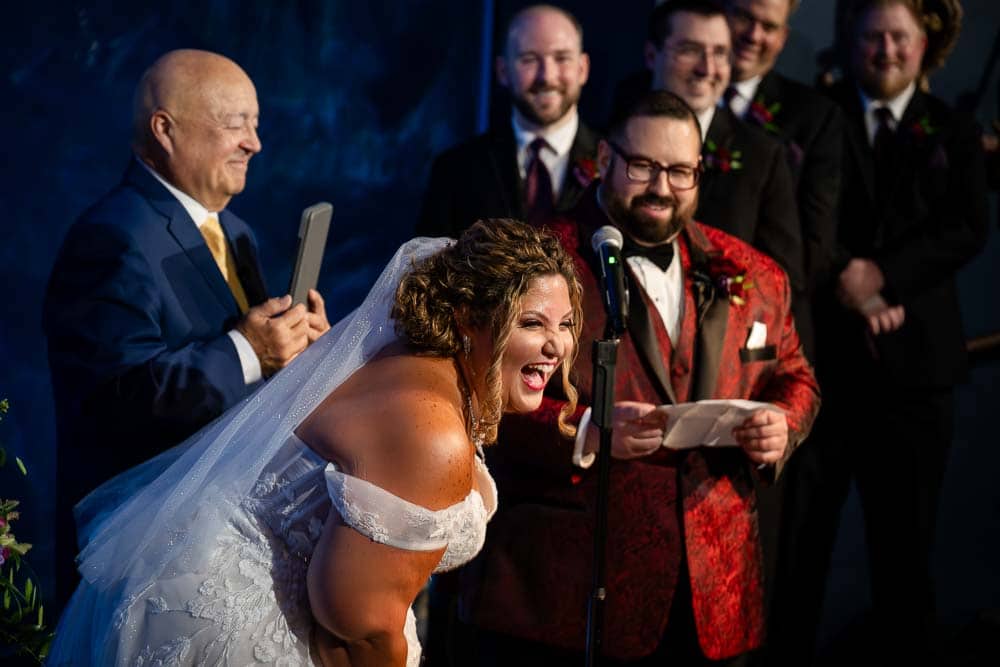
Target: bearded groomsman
x=541 y=161
x=890 y=345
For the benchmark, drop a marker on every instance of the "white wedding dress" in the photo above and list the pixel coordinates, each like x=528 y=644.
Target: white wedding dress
x=199 y=557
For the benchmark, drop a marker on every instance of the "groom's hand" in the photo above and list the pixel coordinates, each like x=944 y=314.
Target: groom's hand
x=637 y=430
x=763 y=436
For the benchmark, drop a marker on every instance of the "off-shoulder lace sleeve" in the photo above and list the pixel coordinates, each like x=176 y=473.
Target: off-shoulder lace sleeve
x=388 y=519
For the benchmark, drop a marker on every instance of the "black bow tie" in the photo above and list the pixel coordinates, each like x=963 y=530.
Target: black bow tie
x=661 y=255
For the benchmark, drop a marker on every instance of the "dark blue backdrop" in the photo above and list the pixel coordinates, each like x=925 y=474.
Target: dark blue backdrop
x=355 y=100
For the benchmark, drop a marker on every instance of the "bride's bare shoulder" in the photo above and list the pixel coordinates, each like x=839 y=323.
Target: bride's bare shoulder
x=399 y=423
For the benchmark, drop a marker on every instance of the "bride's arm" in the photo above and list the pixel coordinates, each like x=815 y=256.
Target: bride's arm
x=360 y=590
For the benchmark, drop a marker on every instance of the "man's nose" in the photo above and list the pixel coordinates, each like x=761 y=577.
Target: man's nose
x=546 y=72
x=660 y=185
x=251 y=142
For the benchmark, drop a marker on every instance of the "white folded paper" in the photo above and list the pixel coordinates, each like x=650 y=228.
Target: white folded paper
x=707 y=423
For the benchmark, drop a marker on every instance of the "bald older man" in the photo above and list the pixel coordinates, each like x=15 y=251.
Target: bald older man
x=156 y=313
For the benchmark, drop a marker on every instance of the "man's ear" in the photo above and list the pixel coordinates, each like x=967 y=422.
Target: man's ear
x=603 y=159
x=649 y=54
x=501 y=70
x=584 y=68
x=161 y=126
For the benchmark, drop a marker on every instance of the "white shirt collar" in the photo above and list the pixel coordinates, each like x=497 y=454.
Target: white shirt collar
x=897 y=105
x=745 y=90
x=705 y=119
x=559 y=138
x=197 y=212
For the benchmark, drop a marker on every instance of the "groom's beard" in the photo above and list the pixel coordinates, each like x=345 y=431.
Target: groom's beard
x=647 y=229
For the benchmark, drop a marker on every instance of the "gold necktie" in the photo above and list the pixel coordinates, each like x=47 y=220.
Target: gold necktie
x=211 y=230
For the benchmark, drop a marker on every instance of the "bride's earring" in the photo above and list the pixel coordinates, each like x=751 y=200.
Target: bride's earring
x=466 y=346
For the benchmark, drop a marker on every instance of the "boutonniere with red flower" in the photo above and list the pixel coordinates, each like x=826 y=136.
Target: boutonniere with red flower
x=763 y=114
x=716 y=276
x=729 y=278
x=721 y=158
x=585 y=171
x=919 y=133
x=921 y=128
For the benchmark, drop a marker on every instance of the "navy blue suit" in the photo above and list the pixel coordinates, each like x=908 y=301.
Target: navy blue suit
x=136 y=315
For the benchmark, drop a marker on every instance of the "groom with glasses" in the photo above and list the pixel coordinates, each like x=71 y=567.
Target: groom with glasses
x=684 y=567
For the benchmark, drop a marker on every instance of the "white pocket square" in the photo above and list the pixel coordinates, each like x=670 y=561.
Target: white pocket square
x=757 y=337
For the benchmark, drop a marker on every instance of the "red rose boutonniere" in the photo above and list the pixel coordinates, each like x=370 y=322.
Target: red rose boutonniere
x=919 y=133
x=921 y=128
x=718 y=157
x=585 y=171
x=715 y=276
x=763 y=114
x=730 y=279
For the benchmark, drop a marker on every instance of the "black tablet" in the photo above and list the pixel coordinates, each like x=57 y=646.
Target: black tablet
x=312 y=242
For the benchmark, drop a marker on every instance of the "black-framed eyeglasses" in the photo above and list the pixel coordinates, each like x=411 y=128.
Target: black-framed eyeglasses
x=643 y=170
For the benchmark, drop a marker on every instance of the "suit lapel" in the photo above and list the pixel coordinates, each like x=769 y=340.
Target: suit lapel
x=503 y=162
x=246 y=260
x=583 y=150
x=641 y=328
x=711 y=330
x=184 y=231
x=769 y=91
x=857 y=140
x=720 y=133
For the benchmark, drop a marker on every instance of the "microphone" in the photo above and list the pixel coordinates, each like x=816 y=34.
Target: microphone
x=607 y=244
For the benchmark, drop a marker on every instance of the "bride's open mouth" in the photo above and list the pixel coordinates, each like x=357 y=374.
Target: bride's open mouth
x=535 y=376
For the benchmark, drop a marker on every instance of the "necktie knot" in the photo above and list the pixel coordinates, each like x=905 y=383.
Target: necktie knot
x=661 y=255
x=536 y=146
x=884 y=117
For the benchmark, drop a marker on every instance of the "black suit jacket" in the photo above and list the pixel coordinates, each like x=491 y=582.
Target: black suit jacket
x=755 y=202
x=930 y=221
x=479 y=178
x=811 y=128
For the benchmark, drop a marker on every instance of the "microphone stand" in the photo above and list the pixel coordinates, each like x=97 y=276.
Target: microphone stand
x=605 y=357
x=607 y=243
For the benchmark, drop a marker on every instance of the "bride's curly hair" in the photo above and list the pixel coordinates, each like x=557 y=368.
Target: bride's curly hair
x=482 y=278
